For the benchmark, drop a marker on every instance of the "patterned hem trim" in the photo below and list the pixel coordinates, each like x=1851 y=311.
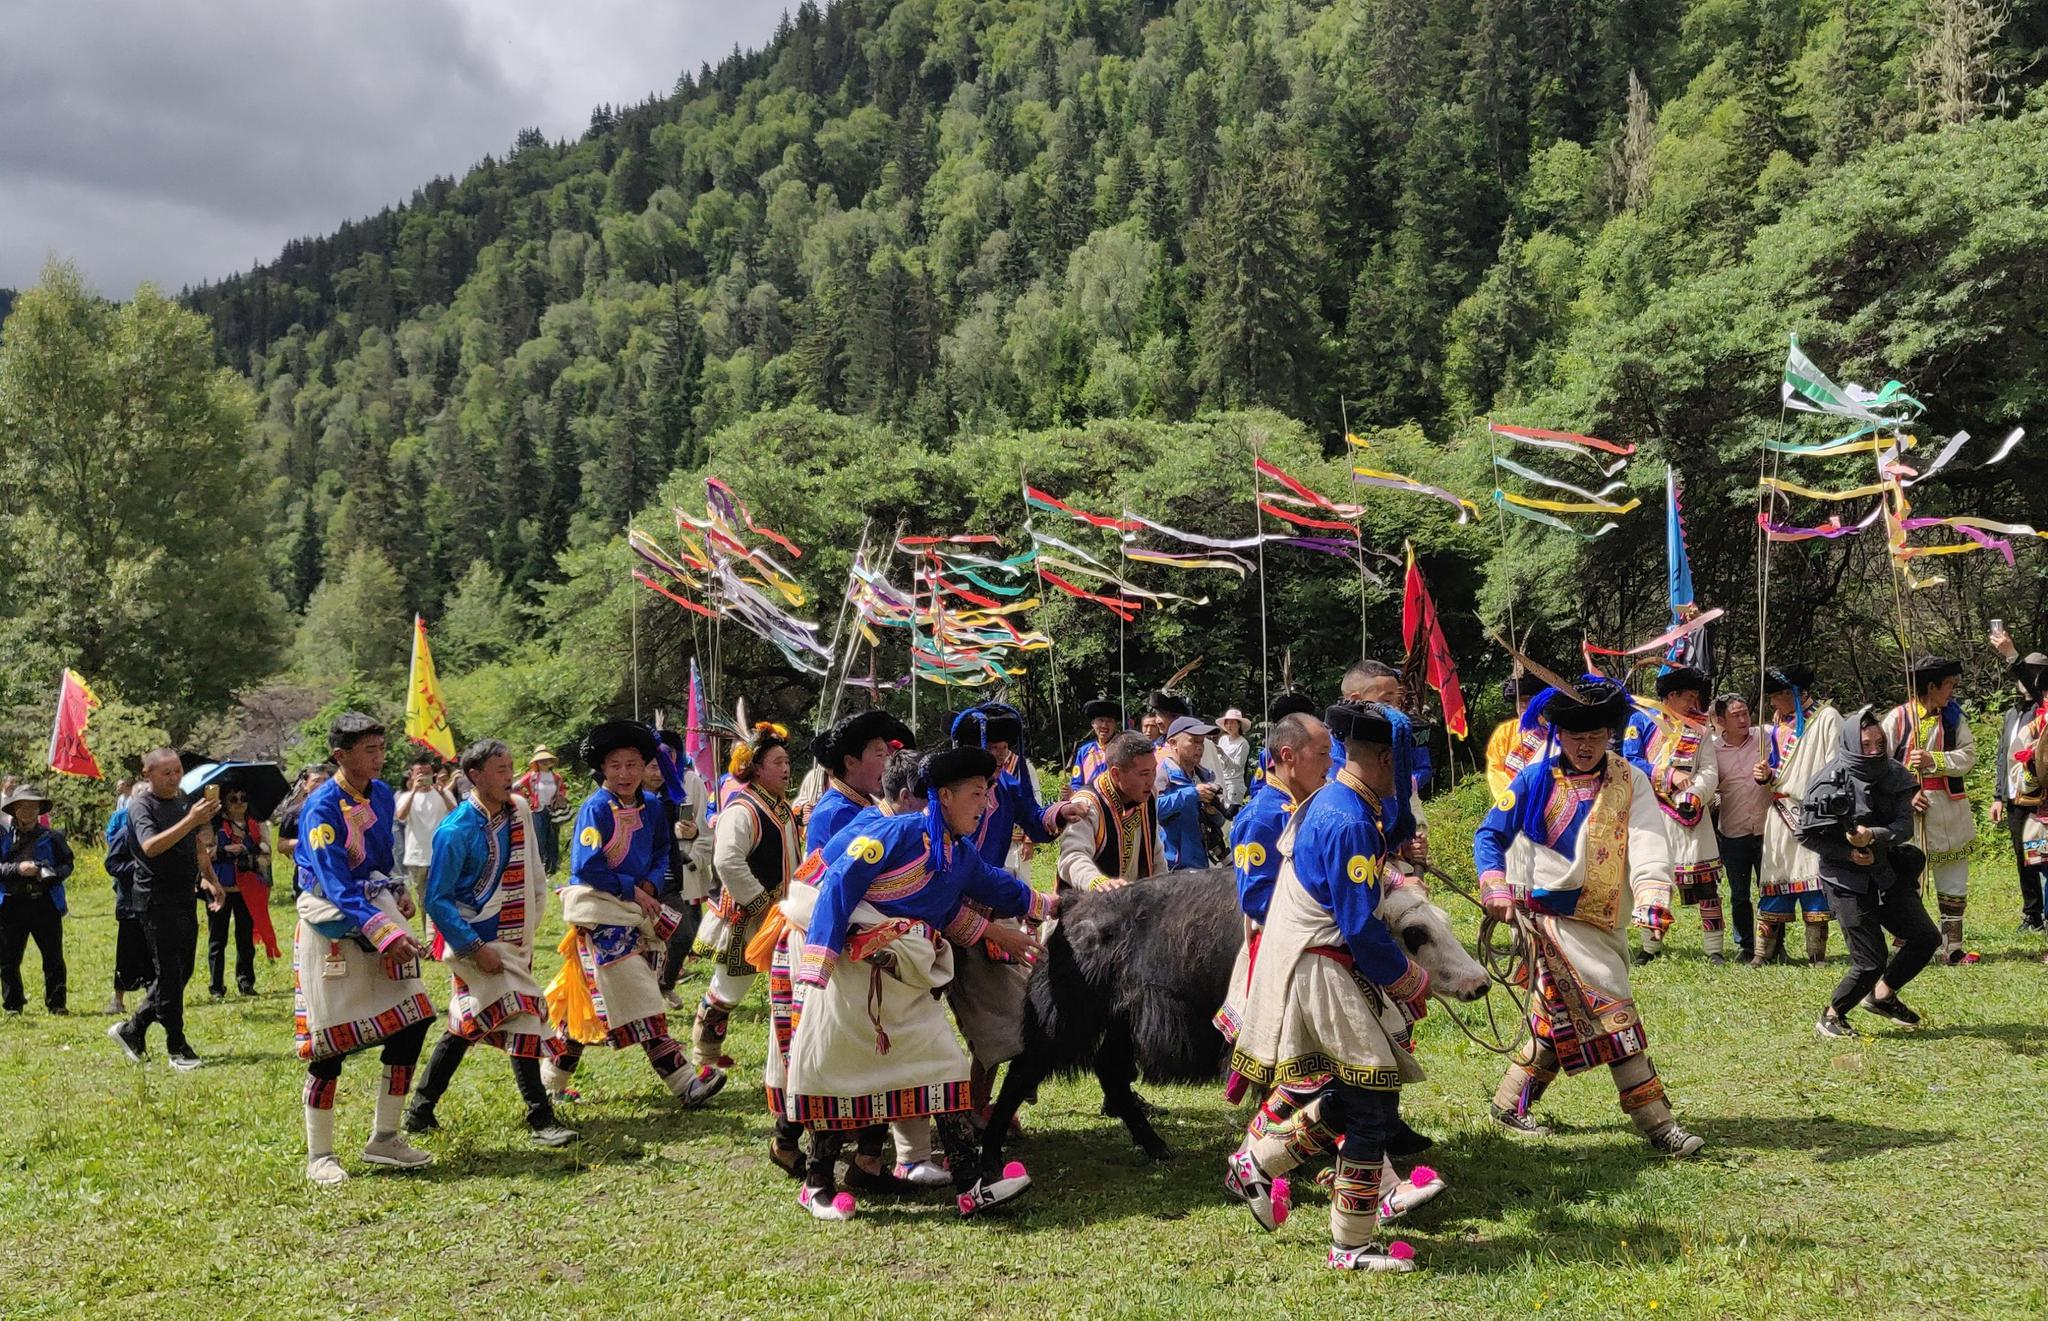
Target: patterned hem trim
x=1577 y=1055
x=632 y=1034
x=1302 y=1068
x=525 y=1045
x=842 y=1113
x=1229 y=1024
x=1807 y=885
x=481 y=1022
x=343 y=1038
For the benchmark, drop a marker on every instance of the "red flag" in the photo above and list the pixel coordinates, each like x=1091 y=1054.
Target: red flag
x=1418 y=618
x=75 y=705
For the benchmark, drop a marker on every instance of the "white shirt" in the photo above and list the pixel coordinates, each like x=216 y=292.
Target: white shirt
x=422 y=818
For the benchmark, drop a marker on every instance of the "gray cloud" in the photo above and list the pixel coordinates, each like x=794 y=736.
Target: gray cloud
x=181 y=140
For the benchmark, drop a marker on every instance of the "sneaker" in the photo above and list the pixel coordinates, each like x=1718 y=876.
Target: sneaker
x=394 y=1152
x=989 y=1193
x=1718 y=960
x=1519 y=1123
x=115 y=1009
x=839 y=1206
x=2031 y=924
x=59 y=1011
x=132 y=1048
x=554 y=1135
x=924 y=1173
x=1833 y=1027
x=1645 y=956
x=420 y=1118
x=1890 y=1007
x=673 y=1000
x=184 y=1061
x=1396 y=1257
x=326 y=1171
x=216 y=994
x=1672 y=1140
x=699 y=1087
x=1420 y=1186
x=1269 y=1200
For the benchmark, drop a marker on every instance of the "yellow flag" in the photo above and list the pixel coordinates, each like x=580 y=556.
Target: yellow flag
x=426 y=715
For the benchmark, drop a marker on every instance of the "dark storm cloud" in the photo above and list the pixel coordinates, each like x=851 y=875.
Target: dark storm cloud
x=180 y=140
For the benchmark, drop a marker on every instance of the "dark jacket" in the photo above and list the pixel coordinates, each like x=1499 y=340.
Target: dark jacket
x=43 y=846
x=1872 y=791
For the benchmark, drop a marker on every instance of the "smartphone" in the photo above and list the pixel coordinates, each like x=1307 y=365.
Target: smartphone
x=212 y=793
x=1998 y=626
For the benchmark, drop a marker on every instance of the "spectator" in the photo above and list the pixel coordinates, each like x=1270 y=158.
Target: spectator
x=287 y=814
x=548 y=800
x=1740 y=804
x=34 y=864
x=2030 y=675
x=133 y=968
x=166 y=837
x=240 y=853
x=421 y=809
x=1189 y=795
x=1233 y=759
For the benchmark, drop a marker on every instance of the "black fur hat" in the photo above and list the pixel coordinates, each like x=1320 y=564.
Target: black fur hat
x=1684 y=678
x=952 y=765
x=606 y=738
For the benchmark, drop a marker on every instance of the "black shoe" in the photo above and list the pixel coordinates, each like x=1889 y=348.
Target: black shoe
x=246 y=989
x=1833 y=1027
x=420 y=1119
x=1643 y=956
x=217 y=993
x=2032 y=924
x=881 y=1183
x=1890 y=1007
x=1404 y=1143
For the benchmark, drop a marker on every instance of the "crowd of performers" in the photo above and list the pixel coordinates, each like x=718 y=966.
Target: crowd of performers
x=893 y=918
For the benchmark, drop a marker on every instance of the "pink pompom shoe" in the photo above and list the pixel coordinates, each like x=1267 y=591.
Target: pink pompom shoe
x=1410 y=1193
x=1397 y=1257
x=839 y=1206
x=994 y=1192
x=1269 y=1200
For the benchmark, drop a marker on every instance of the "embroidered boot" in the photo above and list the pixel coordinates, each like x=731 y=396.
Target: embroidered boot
x=386 y=1146
x=707 y=1035
x=1816 y=942
x=1355 y=1222
x=321 y=1166
x=1770 y=943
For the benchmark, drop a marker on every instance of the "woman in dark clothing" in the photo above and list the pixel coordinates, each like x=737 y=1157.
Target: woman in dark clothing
x=1858 y=816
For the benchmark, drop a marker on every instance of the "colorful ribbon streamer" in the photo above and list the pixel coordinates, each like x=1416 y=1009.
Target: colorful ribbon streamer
x=1664 y=639
x=1394 y=481
x=1521 y=470
x=1852 y=493
x=1038 y=499
x=654 y=586
x=1567 y=506
x=1501 y=501
x=1569 y=441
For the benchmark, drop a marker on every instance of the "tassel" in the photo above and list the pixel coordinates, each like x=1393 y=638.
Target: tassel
x=570 y=1006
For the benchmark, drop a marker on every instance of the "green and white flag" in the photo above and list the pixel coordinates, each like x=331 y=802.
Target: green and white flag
x=1807 y=389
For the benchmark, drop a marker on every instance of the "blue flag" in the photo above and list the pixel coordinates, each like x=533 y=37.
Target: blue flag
x=1690 y=650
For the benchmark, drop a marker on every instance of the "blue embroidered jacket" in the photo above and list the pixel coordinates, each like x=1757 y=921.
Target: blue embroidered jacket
x=1340 y=858
x=344 y=841
x=645 y=859
x=1255 y=847
x=461 y=878
x=829 y=816
x=886 y=863
x=1528 y=810
x=1013 y=802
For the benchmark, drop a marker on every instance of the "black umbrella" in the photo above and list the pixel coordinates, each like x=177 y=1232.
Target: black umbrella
x=263 y=781
x=192 y=761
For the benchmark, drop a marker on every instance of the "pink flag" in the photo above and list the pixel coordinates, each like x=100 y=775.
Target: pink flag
x=696 y=746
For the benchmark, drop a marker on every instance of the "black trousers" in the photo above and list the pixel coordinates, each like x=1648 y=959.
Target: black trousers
x=682 y=940
x=1865 y=918
x=21 y=920
x=234 y=912
x=400 y=1050
x=448 y=1055
x=173 y=932
x=1743 y=857
x=133 y=968
x=2030 y=877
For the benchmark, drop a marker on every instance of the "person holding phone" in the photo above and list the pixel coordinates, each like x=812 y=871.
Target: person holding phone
x=425 y=803
x=172 y=855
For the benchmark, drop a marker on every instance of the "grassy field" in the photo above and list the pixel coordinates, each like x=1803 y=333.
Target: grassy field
x=1874 y=1178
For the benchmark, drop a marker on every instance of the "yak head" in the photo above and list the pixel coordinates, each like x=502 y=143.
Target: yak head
x=1424 y=930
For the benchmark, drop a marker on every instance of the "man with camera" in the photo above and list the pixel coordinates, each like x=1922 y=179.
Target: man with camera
x=173 y=859
x=34 y=864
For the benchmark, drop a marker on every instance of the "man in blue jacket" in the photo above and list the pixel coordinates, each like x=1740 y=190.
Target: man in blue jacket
x=1190 y=790
x=34 y=864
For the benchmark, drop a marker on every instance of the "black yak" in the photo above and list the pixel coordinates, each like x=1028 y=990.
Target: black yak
x=1131 y=981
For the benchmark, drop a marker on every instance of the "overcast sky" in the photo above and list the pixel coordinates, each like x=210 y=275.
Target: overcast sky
x=182 y=140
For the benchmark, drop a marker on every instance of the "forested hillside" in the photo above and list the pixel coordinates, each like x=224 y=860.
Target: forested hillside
x=989 y=232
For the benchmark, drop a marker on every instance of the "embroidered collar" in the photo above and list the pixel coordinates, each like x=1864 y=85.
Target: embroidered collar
x=853 y=795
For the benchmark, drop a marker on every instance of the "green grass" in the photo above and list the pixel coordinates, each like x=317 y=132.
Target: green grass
x=1868 y=1179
